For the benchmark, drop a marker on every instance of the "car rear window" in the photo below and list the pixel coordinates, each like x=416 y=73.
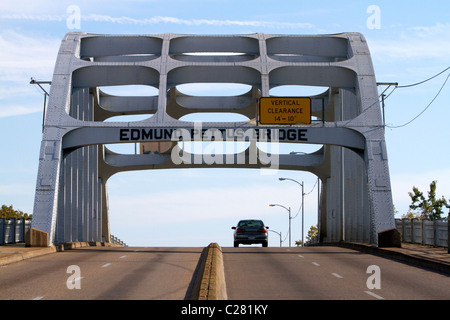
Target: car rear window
x=251 y=223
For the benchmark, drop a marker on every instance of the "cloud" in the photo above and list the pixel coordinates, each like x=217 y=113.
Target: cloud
x=434 y=30
x=200 y=204
x=411 y=48
x=419 y=42
x=22 y=54
x=18 y=110
x=195 y=22
x=159 y=20
x=21 y=58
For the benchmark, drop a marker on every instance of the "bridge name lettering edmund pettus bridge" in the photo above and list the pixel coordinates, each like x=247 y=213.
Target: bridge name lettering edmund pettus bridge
x=172 y=134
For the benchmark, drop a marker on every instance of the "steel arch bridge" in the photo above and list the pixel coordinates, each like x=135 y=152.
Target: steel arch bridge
x=74 y=165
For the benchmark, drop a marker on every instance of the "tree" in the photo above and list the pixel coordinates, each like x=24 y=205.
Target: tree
x=430 y=208
x=8 y=212
x=411 y=215
x=312 y=233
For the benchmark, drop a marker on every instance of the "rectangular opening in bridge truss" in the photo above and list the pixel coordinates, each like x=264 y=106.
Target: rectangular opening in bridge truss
x=87 y=98
x=212 y=102
x=307 y=49
x=214 y=117
x=127 y=103
x=120 y=48
x=214 y=49
x=213 y=147
x=214 y=90
x=288 y=148
x=228 y=147
x=124 y=148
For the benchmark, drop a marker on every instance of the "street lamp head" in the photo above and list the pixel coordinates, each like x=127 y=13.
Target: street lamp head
x=281 y=179
x=271 y=205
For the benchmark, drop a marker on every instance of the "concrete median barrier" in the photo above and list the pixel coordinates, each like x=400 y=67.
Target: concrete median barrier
x=210 y=281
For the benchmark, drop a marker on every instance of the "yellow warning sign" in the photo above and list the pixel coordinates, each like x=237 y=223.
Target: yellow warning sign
x=284 y=110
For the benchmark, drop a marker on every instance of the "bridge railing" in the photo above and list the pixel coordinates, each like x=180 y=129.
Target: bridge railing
x=425 y=232
x=13 y=230
x=115 y=240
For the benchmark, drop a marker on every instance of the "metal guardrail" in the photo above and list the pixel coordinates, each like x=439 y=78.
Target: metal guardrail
x=425 y=232
x=115 y=240
x=13 y=230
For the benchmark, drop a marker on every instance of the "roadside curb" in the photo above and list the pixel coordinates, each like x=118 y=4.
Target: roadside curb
x=16 y=257
x=439 y=266
x=74 y=245
x=31 y=252
x=210 y=284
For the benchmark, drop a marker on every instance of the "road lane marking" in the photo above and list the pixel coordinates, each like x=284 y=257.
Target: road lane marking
x=316 y=264
x=123 y=257
x=38 y=298
x=106 y=265
x=374 y=295
x=337 y=275
x=301 y=256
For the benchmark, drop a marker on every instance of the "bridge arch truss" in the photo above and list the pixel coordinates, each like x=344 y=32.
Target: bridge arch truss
x=75 y=164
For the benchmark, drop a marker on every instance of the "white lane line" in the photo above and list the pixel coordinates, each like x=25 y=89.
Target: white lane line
x=106 y=265
x=38 y=298
x=301 y=256
x=123 y=257
x=316 y=264
x=374 y=295
x=337 y=275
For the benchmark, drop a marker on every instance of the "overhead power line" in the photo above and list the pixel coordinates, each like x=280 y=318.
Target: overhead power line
x=426 y=108
x=416 y=84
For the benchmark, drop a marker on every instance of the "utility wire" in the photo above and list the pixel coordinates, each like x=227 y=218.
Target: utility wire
x=440 y=90
x=312 y=188
x=415 y=84
x=305 y=194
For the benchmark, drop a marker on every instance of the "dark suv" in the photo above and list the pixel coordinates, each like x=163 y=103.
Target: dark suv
x=249 y=232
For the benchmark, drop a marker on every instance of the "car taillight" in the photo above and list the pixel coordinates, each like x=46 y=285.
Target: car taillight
x=240 y=230
x=262 y=230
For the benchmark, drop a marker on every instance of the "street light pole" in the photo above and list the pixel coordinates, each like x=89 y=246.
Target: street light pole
x=303 y=204
x=303 y=214
x=289 y=211
x=278 y=233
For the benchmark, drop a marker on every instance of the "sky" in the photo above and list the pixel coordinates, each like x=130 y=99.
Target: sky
x=409 y=42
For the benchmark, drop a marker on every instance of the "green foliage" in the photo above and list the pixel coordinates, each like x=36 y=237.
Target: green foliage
x=411 y=215
x=427 y=208
x=8 y=212
x=312 y=233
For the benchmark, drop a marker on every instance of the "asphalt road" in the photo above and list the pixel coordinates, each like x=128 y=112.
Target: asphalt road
x=251 y=273
x=102 y=273
x=318 y=273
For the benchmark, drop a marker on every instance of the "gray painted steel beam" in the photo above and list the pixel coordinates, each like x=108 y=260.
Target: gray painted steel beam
x=74 y=165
